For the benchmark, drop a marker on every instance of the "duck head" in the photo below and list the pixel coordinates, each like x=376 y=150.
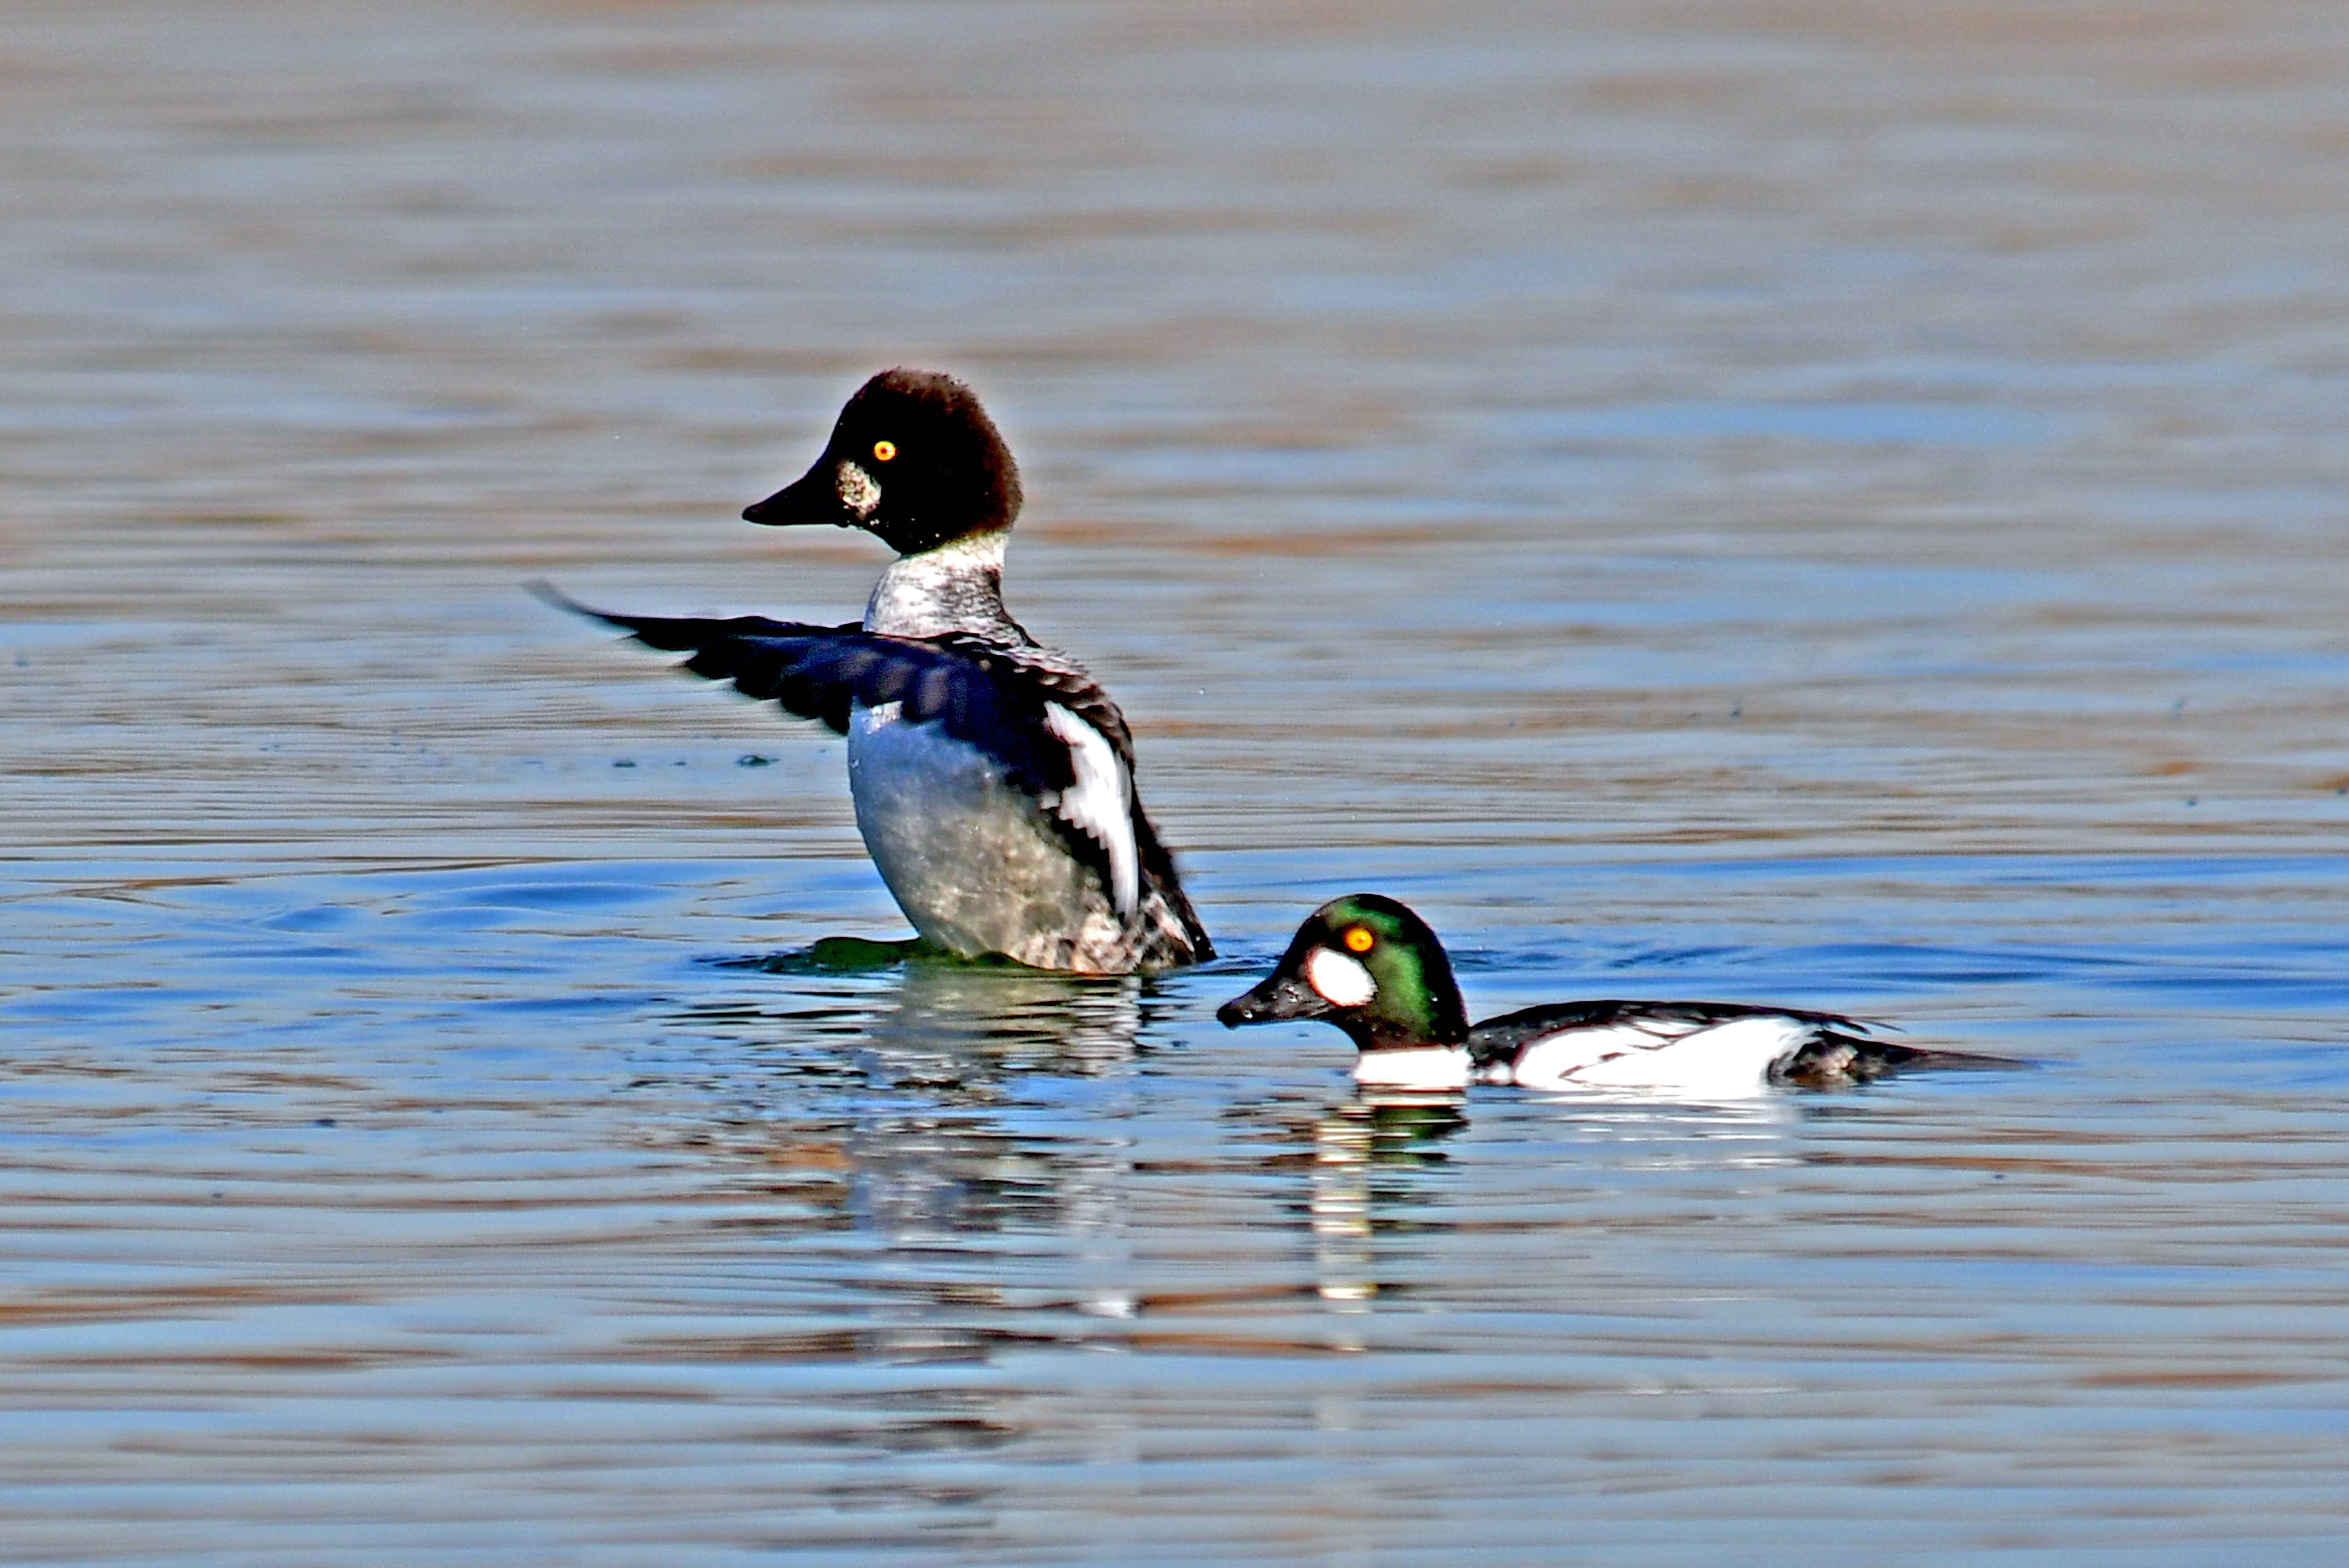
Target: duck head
x=913 y=459
x=1370 y=966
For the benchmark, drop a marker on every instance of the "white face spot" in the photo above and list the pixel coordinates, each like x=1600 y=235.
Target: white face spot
x=1342 y=982
x=859 y=492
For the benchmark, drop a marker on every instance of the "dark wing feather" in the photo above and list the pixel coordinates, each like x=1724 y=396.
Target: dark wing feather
x=1054 y=680
x=1071 y=688
x=980 y=695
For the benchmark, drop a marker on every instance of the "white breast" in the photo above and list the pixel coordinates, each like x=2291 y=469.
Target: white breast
x=1416 y=1066
x=1726 y=1059
x=967 y=857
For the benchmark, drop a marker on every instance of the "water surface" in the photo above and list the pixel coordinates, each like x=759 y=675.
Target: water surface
x=1826 y=503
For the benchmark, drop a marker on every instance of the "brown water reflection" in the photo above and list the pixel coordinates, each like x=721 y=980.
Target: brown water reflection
x=1829 y=502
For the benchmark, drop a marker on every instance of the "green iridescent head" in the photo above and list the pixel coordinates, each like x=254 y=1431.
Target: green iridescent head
x=1368 y=966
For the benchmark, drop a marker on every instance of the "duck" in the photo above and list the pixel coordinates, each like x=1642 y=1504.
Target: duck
x=1372 y=966
x=992 y=777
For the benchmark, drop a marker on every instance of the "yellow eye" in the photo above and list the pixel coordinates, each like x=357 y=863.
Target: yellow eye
x=884 y=450
x=1360 y=939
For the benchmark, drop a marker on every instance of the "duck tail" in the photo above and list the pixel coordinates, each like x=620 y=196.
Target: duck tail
x=1833 y=1059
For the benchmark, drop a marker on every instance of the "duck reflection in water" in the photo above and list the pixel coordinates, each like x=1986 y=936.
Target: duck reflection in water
x=1377 y=1188
x=936 y=1094
x=1375 y=1128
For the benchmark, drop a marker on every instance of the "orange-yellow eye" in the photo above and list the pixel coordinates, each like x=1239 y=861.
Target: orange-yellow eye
x=884 y=450
x=1359 y=939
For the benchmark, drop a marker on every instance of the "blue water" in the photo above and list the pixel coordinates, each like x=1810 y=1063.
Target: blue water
x=518 y=1211
x=1810 y=506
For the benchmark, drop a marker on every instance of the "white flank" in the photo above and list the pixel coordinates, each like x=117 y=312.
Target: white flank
x=1342 y=982
x=1729 y=1058
x=1101 y=802
x=857 y=491
x=1412 y=1066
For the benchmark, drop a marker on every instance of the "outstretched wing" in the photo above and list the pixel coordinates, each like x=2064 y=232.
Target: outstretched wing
x=1054 y=733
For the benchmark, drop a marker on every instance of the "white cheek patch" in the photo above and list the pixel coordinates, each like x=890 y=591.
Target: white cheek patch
x=858 y=491
x=1342 y=982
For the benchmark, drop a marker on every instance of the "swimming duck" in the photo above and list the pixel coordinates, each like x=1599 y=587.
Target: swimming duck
x=1372 y=966
x=992 y=777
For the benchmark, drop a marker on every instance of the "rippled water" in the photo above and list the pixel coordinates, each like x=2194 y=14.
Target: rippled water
x=1828 y=503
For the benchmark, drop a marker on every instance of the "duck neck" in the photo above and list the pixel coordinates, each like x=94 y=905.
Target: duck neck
x=1429 y=1025
x=956 y=587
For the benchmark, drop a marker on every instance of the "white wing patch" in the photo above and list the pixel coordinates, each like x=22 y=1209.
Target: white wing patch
x=1101 y=802
x=1342 y=982
x=1731 y=1058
